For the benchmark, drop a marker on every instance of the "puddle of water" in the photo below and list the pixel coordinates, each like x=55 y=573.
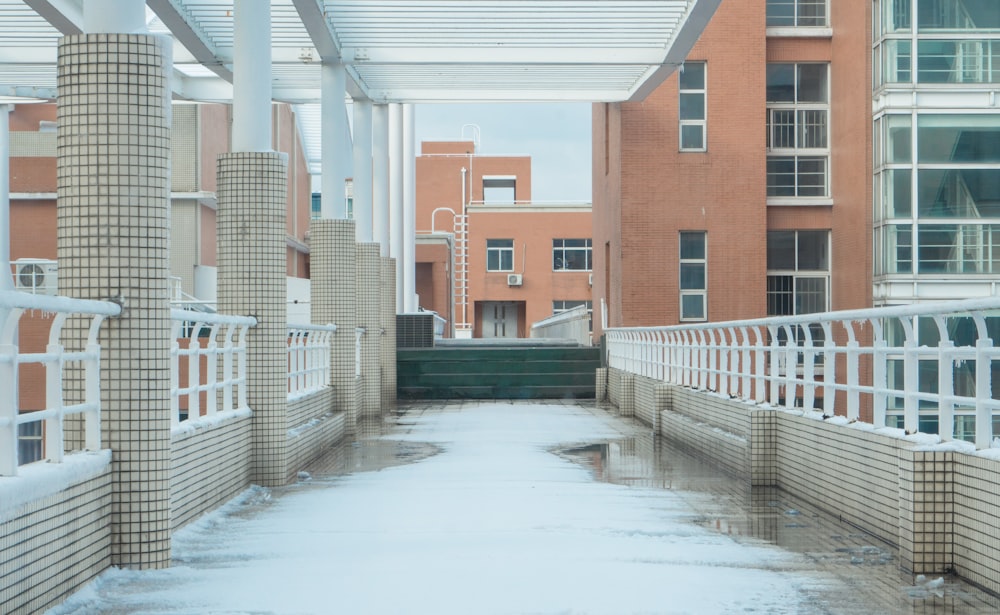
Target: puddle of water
x=869 y=567
x=367 y=456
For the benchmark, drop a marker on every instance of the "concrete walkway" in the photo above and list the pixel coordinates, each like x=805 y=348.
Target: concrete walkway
x=520 y=508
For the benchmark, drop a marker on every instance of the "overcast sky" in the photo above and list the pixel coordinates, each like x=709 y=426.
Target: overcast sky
x=555 y=135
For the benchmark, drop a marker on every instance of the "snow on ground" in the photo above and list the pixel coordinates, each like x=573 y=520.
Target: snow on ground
x=494 y=523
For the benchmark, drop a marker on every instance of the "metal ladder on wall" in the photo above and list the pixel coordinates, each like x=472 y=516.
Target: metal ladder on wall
x=461 y=277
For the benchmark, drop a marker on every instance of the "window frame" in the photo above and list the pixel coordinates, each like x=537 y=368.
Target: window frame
x=500 y=250
x=796 y=4
x=797 y=273
x=587 y=249
x=799 y=152
x=687 y=123
x=692 y=292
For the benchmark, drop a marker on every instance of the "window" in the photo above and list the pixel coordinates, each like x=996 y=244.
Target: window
x=571 y=254
x=499 y=190
x=798 y=272
x=561 y=306
x=801 y=13
x=797 y=130
x=692 y=107
x=693 y=275
x=29 y=442
x=316 y=210
x=499 y=255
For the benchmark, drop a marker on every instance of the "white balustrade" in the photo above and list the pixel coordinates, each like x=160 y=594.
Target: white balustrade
x=308 y=358
x=211 y=339
x=55 y=358
x=851 y=362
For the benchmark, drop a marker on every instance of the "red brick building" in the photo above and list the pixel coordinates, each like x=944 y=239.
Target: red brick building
x=489 y=260
x=741 y=187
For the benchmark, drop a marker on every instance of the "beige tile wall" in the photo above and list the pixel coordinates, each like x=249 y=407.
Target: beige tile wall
x=55 y=545
x=313 y=428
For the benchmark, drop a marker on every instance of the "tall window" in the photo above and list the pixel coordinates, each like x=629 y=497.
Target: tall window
x=796 y=13
x=499 y=255
x=571 y=254
x=316 y=206
x=798 y=272
x=693 y=275
x=798 y=108
x=692 y=107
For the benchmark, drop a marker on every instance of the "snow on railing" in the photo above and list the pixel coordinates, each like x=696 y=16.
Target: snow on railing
x=13 y=304
x=308 y=358
x=224 y=342
x=860 y=358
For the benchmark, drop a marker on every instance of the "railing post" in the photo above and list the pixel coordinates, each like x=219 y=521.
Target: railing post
x=808 y=369
x=175 y=380
x=791 y=363
x=984 y=395
x=712 y=383
x=911 y=379
x=774 y=375
x=54 y=391
x=735 y=355
x=829 y=370
x=8 y=391
x=946 y=389
x=212 y=370
x=760 y=366
x=194 y=371
x=880 y=371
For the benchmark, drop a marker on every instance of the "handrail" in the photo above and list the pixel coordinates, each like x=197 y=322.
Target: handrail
x=226 y=343
x=868 y=357
x=308 y=358
x=55 y=359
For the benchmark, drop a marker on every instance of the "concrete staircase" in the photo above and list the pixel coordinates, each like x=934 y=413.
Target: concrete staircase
x=519 y=371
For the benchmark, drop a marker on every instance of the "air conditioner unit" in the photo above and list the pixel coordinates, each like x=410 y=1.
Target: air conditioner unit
x=514 y=279
x=36 y=276
x=590 y=279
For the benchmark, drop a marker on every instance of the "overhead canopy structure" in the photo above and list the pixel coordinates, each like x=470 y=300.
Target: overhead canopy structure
x=395 y=50
x=407 y=51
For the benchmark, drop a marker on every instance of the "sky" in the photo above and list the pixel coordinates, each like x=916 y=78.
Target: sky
x=493 y=522
x=555 y=135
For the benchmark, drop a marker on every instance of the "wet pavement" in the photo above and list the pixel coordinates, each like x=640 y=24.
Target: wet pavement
x=521 y=507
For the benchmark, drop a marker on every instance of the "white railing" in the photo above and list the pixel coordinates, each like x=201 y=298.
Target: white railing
x=55 y=358
x=861 y=358
x=308 y=358
x=224 y=342
x=572 y=324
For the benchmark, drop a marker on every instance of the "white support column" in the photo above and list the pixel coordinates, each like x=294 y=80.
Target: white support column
x=380 y=177
x=114 y=17
x=408 y=260
x=363 y=170
x=396 y=197
x=335 y=141
x=252 y=77
x=6 y=281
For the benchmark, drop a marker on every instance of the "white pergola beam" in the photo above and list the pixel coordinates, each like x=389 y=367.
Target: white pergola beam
x=189 y=34
x=64 y=15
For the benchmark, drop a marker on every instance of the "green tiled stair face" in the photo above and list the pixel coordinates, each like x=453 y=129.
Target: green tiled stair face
x=497 y=373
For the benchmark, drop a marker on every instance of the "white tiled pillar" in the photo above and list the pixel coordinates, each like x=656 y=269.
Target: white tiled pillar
x=369 y=307
x=387 y=314
x=333 y=270
x=251 y=282
x=113 y=220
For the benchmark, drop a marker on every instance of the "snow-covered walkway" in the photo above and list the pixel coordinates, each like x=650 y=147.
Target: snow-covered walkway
x=481 y=516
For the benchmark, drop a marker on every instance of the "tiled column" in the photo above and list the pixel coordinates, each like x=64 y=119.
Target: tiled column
x=387 y=314
x=251 y=282
x=926 y=511
x=113 y=213
x=369 y=307
x=333 y=267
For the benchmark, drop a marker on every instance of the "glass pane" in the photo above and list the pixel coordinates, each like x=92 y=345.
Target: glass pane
x=692 y=106
x=938 y=249
x=812 y=83
x=781 y=12
x=814 y=251
x=693 y=245
x=898 y=140
x=692 y=306
x=692 y=276
x=507 y=260
x=499 y=243
x=898 y=193
x=812 y=13
x=780 y=83
x=692 y=76
x=958 y=193
x=897 y=15
x=898 y=61
x=780 y=295
x=812 y=176
x=780 y=176
x=782 y=128
x=812 y=129
x=781 y=250
x=810 y=295
x=958 y=138
x=693 y=137
x=958 y=15
x=899 y=249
